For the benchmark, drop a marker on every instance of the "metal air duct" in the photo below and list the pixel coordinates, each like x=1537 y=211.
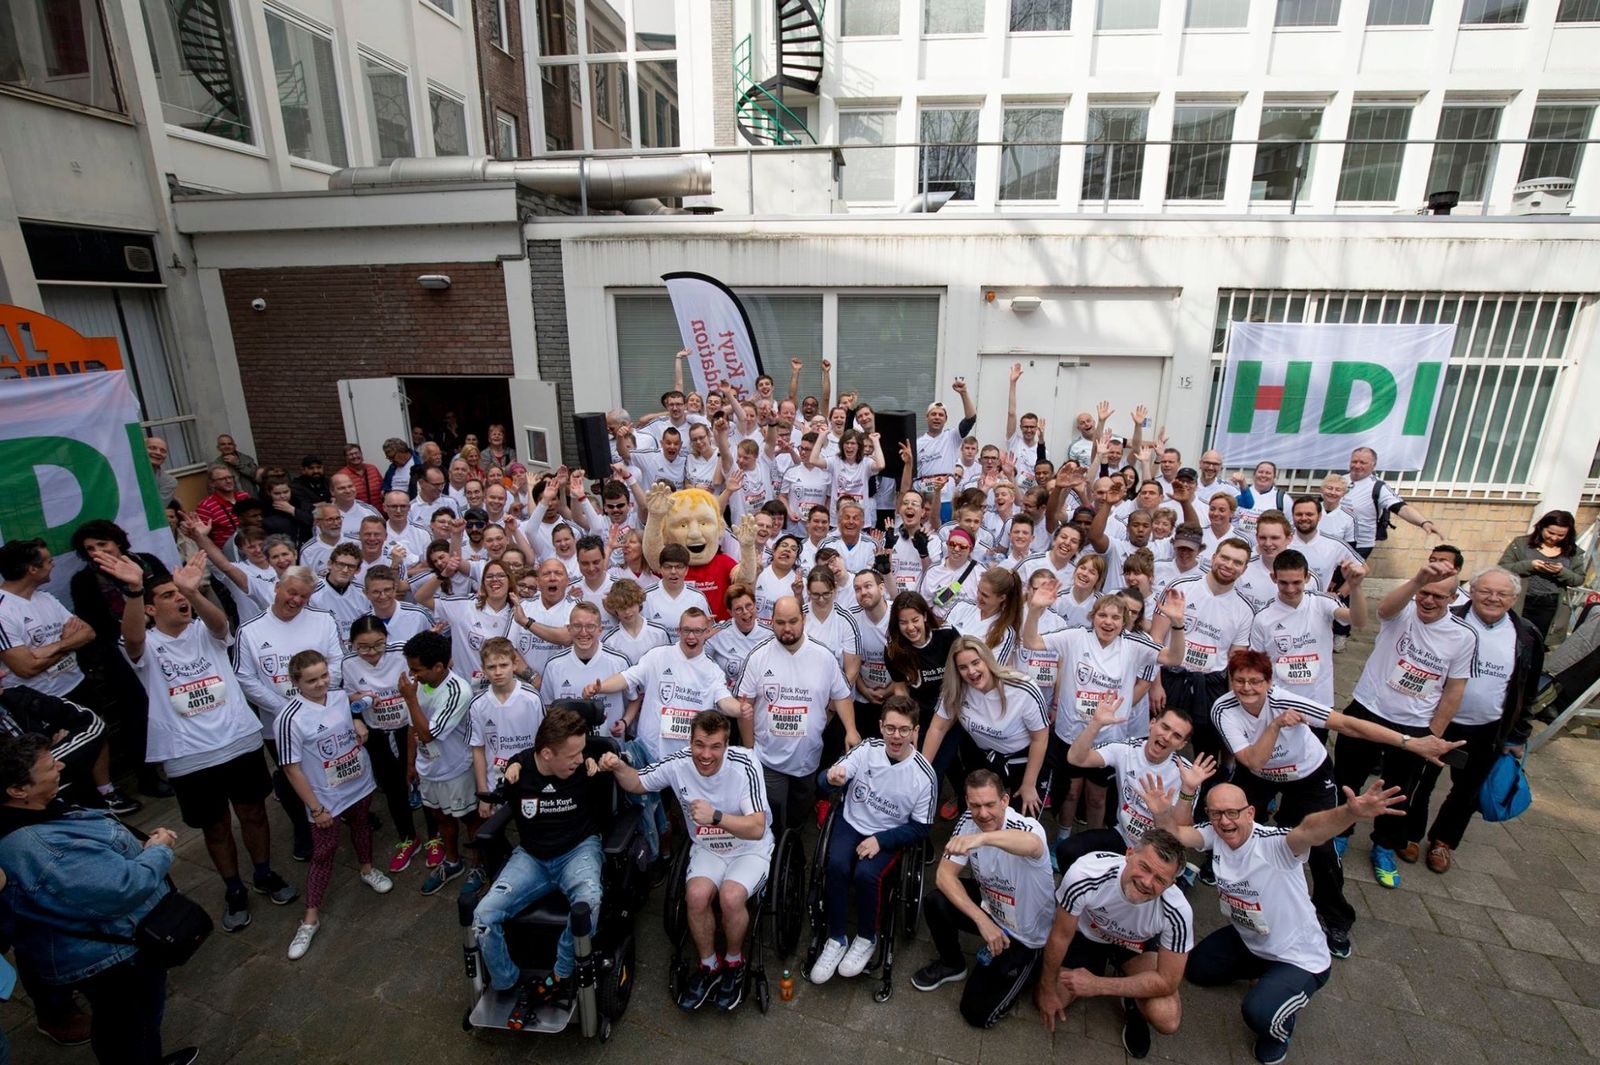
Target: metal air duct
x=611 y=183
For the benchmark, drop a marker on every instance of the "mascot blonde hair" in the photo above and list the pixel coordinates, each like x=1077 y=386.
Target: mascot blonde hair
x=692 y=517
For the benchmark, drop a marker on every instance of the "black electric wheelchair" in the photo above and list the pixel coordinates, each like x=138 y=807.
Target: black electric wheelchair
x=898 y=910
x=779 y=906
x=604 y=950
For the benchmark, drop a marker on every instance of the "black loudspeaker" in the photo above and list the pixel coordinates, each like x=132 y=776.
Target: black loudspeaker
x=594 y=444
x=895 y=427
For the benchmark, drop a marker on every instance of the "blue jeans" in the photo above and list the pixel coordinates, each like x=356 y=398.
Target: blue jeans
x=524 y=880
x=654 y=819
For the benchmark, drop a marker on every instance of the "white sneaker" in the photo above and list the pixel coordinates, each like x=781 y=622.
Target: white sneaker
x=827 y=962
x=302 y=940
x=377 y=881
x=857 y=957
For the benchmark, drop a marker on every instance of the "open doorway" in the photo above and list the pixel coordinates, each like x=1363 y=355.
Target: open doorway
x=476 y=402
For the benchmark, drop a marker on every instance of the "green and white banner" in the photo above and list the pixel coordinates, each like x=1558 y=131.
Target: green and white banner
x=72 y=449
x=1305 y=395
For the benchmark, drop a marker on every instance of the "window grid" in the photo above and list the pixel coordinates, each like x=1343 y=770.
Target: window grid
x=1200 y=152
x=1041 y=16
x=1465 y=167
x=1128 y=125
x=307 y=78
x=1284 y=169
x=389 y=107
x=1510 y=353
x=1557 y=122
x=1399 y=12
x=1578 y=11
x=1371 y=172
x=1493 y=12
x=449 y=119
x=1030 y=162
x=949 y=156
x=1307 y=13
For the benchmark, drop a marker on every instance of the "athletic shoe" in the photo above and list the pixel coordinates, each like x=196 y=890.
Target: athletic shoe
x=1384 y=867
x=474 y=881
x=302 y=940
x=828 y=961
x=377 y=881
x=403 y=853
x=554 y=991
x=442 y=876
x=857 y=957
x=1340 y=845
x=300 y=850
x=434 y=852
x=948 y=810
x=1340 y=643
x=730 y=987
x=1339 y=942
x=235 y=910
x=120 y=804
x=697 y=988
x=1439 y=857
x=70 y=1031
x=415 y=798
x=1409 y=853
x=186 y=1056
x=1187 y=875
x=1271 y=1052
x=278 y=890
x=1208 y=873
x=521 y=1008
x=937 y=973
x=1135 y=1030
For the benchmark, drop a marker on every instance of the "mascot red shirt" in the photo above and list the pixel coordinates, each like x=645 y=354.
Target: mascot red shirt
x=692 y=518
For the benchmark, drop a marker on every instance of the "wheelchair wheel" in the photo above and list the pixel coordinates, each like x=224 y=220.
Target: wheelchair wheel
x=816 y=894
x=674 y=902
x=913 y=877
x=616 y=982
x=763 y=993
x=788 y=893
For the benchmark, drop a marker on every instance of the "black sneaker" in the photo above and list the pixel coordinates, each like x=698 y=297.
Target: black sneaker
x=1208 y=875
x=730 y=988
x=1135 y=1030
x=186 y=1056
x=937 y=973
x=522 y=1008
x=301 y=849
x=236 y=910
x=697 y=988
x=277 y=889
x=120 y=804
x=1339 y=942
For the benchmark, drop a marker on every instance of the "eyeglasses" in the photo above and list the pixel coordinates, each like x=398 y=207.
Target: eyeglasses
x=368 y=648
x=693 y=632
x=397 y=506
x=897 y=730
x=1227 y=815
x=1435 y=597
x=576 y=626
x=340 y=563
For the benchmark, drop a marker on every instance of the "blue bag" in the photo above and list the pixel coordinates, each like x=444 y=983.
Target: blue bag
x=1505 y=792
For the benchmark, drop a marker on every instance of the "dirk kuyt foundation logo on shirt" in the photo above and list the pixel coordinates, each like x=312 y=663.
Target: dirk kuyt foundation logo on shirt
x=667 y=690
x=328 y=746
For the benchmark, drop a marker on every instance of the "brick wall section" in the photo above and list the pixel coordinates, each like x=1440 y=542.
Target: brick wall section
x=502 y=77
x=1480 y=530
x=724 y=131
x=548 y=278
x=331 y=322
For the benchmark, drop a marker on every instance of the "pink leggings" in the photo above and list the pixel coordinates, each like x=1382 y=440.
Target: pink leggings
x=325 y=841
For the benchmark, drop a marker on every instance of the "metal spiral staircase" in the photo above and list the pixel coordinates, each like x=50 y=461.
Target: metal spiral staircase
x=760 y=112
x=203 y=41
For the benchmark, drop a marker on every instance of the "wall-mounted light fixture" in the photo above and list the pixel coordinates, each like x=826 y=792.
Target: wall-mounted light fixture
x=434 y=281
x=1025 y=304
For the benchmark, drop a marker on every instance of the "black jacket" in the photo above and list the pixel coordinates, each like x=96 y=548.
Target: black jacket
x=1515 y=724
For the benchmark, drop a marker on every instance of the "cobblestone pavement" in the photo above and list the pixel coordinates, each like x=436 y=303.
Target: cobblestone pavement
x=1497 y=961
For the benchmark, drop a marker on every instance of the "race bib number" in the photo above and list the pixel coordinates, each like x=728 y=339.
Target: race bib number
x=906 y=582
x=197 y=696
x=283 y=684
x=388 y=712
x=1246 y=522
x=1244 y=913
x=675 y=722
x=1087 y=701
x=1298 y=669
x=1410 y=679
x=1197 y=657
x=714 y=836
x=875 y=674
x=343 y=769
x=1001 y=907
x=1135 y=822
x=787 y=721
x=1041 y=668
x=1282 y=772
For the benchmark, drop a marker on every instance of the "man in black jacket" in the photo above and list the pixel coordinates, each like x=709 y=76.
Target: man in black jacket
x=1493 y=715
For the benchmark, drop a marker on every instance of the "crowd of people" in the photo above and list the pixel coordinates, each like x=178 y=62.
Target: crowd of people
x=1116 y=645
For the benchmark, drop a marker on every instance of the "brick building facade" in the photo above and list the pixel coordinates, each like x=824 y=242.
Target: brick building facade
x=502 y=75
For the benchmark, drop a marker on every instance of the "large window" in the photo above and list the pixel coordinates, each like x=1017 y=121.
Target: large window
x=499 y=25
x=617 y=87
x=1116 y=136
x=949 y=156
x=58 y=48
x=388 y=110
x=608 y=103
x=1030 y=162
x=1041 y=16
x=1464 y=166
x=1493 y=12
x=308 y=91
x=1130 y=14
x=449 y=122
x=952 y=16
x=1564 y=127
x=871 y=18
x=1399 y=12
x=1308 y=13
x=1578 y=11
x=889 y=349
x=868 y=171
x=195 y=52
x=1371 y=171
x=1283 y=167
x=1217 y=14
x=1201 y=135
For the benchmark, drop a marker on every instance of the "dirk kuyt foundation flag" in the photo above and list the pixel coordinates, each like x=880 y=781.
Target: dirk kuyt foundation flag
x=716 y=330
x=1305 y=395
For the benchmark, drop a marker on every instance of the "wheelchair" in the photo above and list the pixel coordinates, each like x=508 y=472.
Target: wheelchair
x=903 y=884
x=603 y=975
x=779 y=906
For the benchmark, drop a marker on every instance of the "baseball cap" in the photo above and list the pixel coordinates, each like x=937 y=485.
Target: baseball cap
x=1187 y=473
x=1188 y=535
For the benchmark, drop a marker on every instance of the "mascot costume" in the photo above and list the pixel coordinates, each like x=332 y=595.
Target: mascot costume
x=692 y=518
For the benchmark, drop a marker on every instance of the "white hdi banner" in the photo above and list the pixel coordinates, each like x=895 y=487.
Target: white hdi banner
x=716 y=331
x=1304 y=395
x=72 y=449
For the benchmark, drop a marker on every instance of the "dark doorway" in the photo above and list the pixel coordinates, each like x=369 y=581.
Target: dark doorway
x=477 y=402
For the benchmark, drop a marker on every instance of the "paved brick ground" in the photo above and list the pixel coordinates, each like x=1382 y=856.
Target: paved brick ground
x=1498 y=961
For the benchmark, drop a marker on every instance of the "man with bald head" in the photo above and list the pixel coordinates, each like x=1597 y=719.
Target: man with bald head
x=1272 y=937
x=788 y=684
x=1211 y=479
x=351 y=509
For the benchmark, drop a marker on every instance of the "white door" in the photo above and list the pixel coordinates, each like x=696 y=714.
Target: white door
x=536 y=422
x=1057 y=386
x=374 y=409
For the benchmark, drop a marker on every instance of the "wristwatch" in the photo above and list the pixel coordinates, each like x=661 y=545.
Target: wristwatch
x=1404 y=739
x=716 y=817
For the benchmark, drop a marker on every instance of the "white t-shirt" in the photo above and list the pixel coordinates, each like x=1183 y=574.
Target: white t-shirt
x=905 y=565
x=1299 y=640
x=769 y=588
x=792 y=692
x=805 y=487
x=647 y=581
x=737 y=787
x=1043 y=667
x=1323 y=555
x=938 y=454
x=421 y=514
x=566 y=675
x=633 y=647
x=36 y=622
x=407 y=620
x=322 y=739
x=938 y=584
x=1357 y=503
x=1008 y=731
x=1091 y=672
x=666 y=610
x=1092 y=892
x=1405 y=675
x=539 y=651
x=1337 y=525
x=675 y=688
x=263 y=647
x=470 y=628
x=872 y=639
x=350 y=520
x=1128 y=758
x=381 y=684
x=857 y=558
x=1015 y=892
x=836 y=632
x=580 y=592
x=1259 y=588
x=345 y=606
x=1256 y=504
x=504 y=729
x=447 y=755
x=965 y=618
x=1485 y=698
x=196 y=704
x=313 y=554
x=1215 y=624
x=881 y=794
x=1261 y=887
x=701 y=472
x=1204 y=492
x=729 y=647
x=1297 y=754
